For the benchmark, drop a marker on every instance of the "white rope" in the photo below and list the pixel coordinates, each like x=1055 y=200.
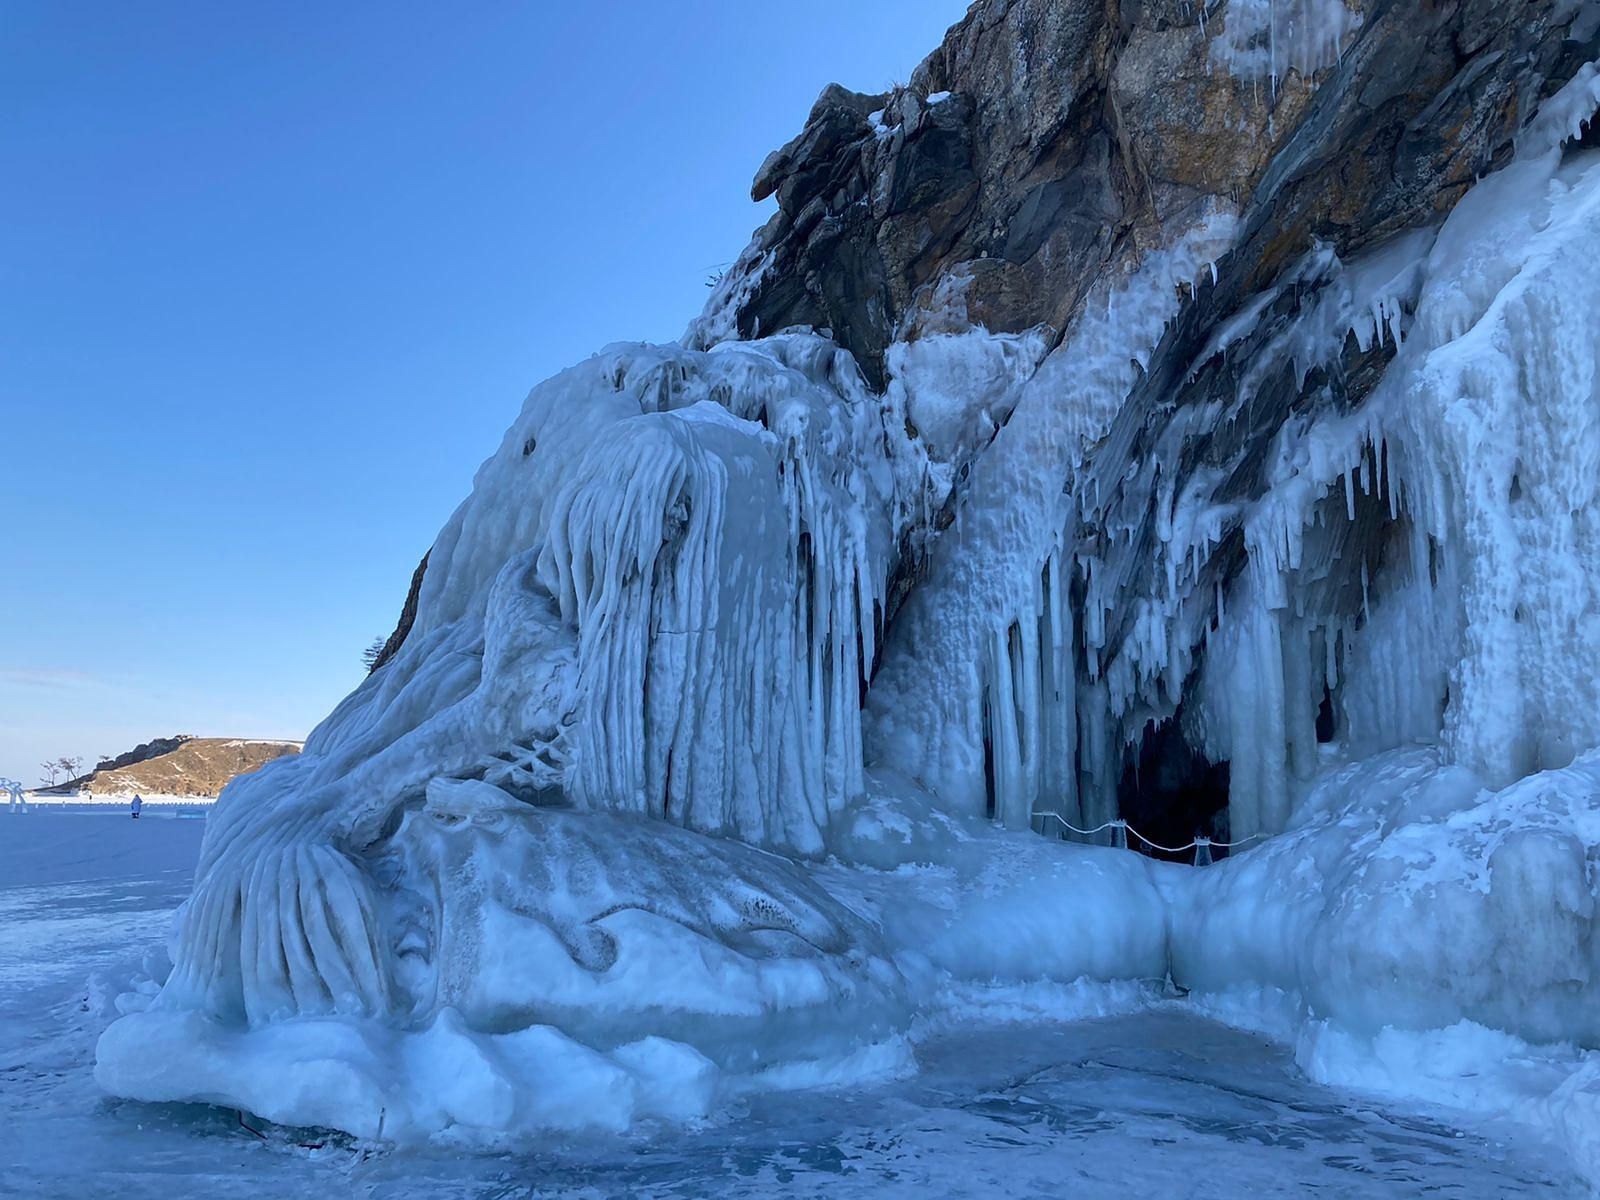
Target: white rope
x=1075 y=829
x=1123 y=825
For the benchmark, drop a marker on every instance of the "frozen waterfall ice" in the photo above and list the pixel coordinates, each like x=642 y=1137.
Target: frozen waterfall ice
x=686 y=778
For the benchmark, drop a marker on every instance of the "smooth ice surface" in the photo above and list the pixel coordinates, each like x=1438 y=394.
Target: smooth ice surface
x=1147 y=1099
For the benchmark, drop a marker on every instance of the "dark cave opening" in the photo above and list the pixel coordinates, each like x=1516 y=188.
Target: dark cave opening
x=1171 y=793
x=988 y=774
x=1327 y=720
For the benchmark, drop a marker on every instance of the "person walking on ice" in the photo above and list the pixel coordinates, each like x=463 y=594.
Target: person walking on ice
x=13 y=789
x=137 y=805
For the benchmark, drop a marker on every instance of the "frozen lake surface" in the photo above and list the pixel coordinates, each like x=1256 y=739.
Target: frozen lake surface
x=1158 y=1102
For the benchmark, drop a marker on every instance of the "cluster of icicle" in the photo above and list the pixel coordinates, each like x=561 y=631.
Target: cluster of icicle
x=662 y=597
x=1425 y=562
x=665 y=594
x=979 y=676
x=1266 y=39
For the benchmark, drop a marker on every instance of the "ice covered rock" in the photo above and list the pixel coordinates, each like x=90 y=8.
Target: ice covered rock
x=1406 y=894
x=1266 y=39
x=543 y=969
x=606 y=925
x=1154 y=471
x=662 y=600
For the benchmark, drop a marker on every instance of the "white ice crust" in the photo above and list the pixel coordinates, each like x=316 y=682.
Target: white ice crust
x=1263 y=40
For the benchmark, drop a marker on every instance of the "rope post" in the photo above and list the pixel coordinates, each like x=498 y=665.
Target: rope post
x=1119 y=839
x=1202 y=851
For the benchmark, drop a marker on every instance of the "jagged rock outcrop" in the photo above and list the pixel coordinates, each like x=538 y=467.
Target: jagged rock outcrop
x=408 y=615
x=1042 y=156
x=143 y=752
x=1044 y=140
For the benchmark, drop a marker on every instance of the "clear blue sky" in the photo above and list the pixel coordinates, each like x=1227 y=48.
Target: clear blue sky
x=274 y=278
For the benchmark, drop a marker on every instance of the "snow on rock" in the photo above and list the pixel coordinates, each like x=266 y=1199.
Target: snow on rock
x=718 y=321
x=960 y=388
x=1266 y=39
x=981 y=651
x=561 y=861
x=956 y=391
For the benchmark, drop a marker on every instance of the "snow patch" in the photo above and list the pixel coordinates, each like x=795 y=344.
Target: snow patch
x=1266 y=39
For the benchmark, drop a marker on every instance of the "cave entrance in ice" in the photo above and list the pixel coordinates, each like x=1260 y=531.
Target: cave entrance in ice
x=1293 y=665
x=1170 y=792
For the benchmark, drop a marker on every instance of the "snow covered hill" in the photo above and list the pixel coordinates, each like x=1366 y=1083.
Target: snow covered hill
x=1177 y=430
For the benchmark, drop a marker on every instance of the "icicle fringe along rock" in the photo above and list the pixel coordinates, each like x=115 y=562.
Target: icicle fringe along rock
x=524 y=876
x=1266 y=39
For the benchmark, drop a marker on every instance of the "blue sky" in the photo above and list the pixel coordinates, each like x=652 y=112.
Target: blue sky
x=274 y=278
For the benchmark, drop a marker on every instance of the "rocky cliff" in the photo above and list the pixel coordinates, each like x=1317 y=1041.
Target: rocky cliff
x=1283 y=170
x=1196 y=441
x=1123 y=281
x=1045 y=142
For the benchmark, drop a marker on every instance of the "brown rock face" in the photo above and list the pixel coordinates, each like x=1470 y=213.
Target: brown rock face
x=408 y=615
x=1046 y=140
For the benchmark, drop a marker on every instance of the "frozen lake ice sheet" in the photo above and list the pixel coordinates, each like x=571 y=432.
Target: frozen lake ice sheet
x=1159 y=1101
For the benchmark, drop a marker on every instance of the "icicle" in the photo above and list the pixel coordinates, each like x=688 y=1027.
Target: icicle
x=1393 y=487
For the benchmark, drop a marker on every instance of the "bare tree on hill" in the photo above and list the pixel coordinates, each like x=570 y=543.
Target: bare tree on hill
x=371 y=655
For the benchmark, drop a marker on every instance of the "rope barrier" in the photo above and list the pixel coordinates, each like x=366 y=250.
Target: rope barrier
x=1201 y=845
x=1074 y=828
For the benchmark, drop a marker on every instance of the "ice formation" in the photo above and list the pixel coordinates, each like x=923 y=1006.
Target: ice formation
x=1266 y=39
x=714 y=614
x=661 y=601
x=983 y=653
x=521 y=977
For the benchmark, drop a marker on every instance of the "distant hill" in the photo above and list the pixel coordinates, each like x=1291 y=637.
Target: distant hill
x=181 y=766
